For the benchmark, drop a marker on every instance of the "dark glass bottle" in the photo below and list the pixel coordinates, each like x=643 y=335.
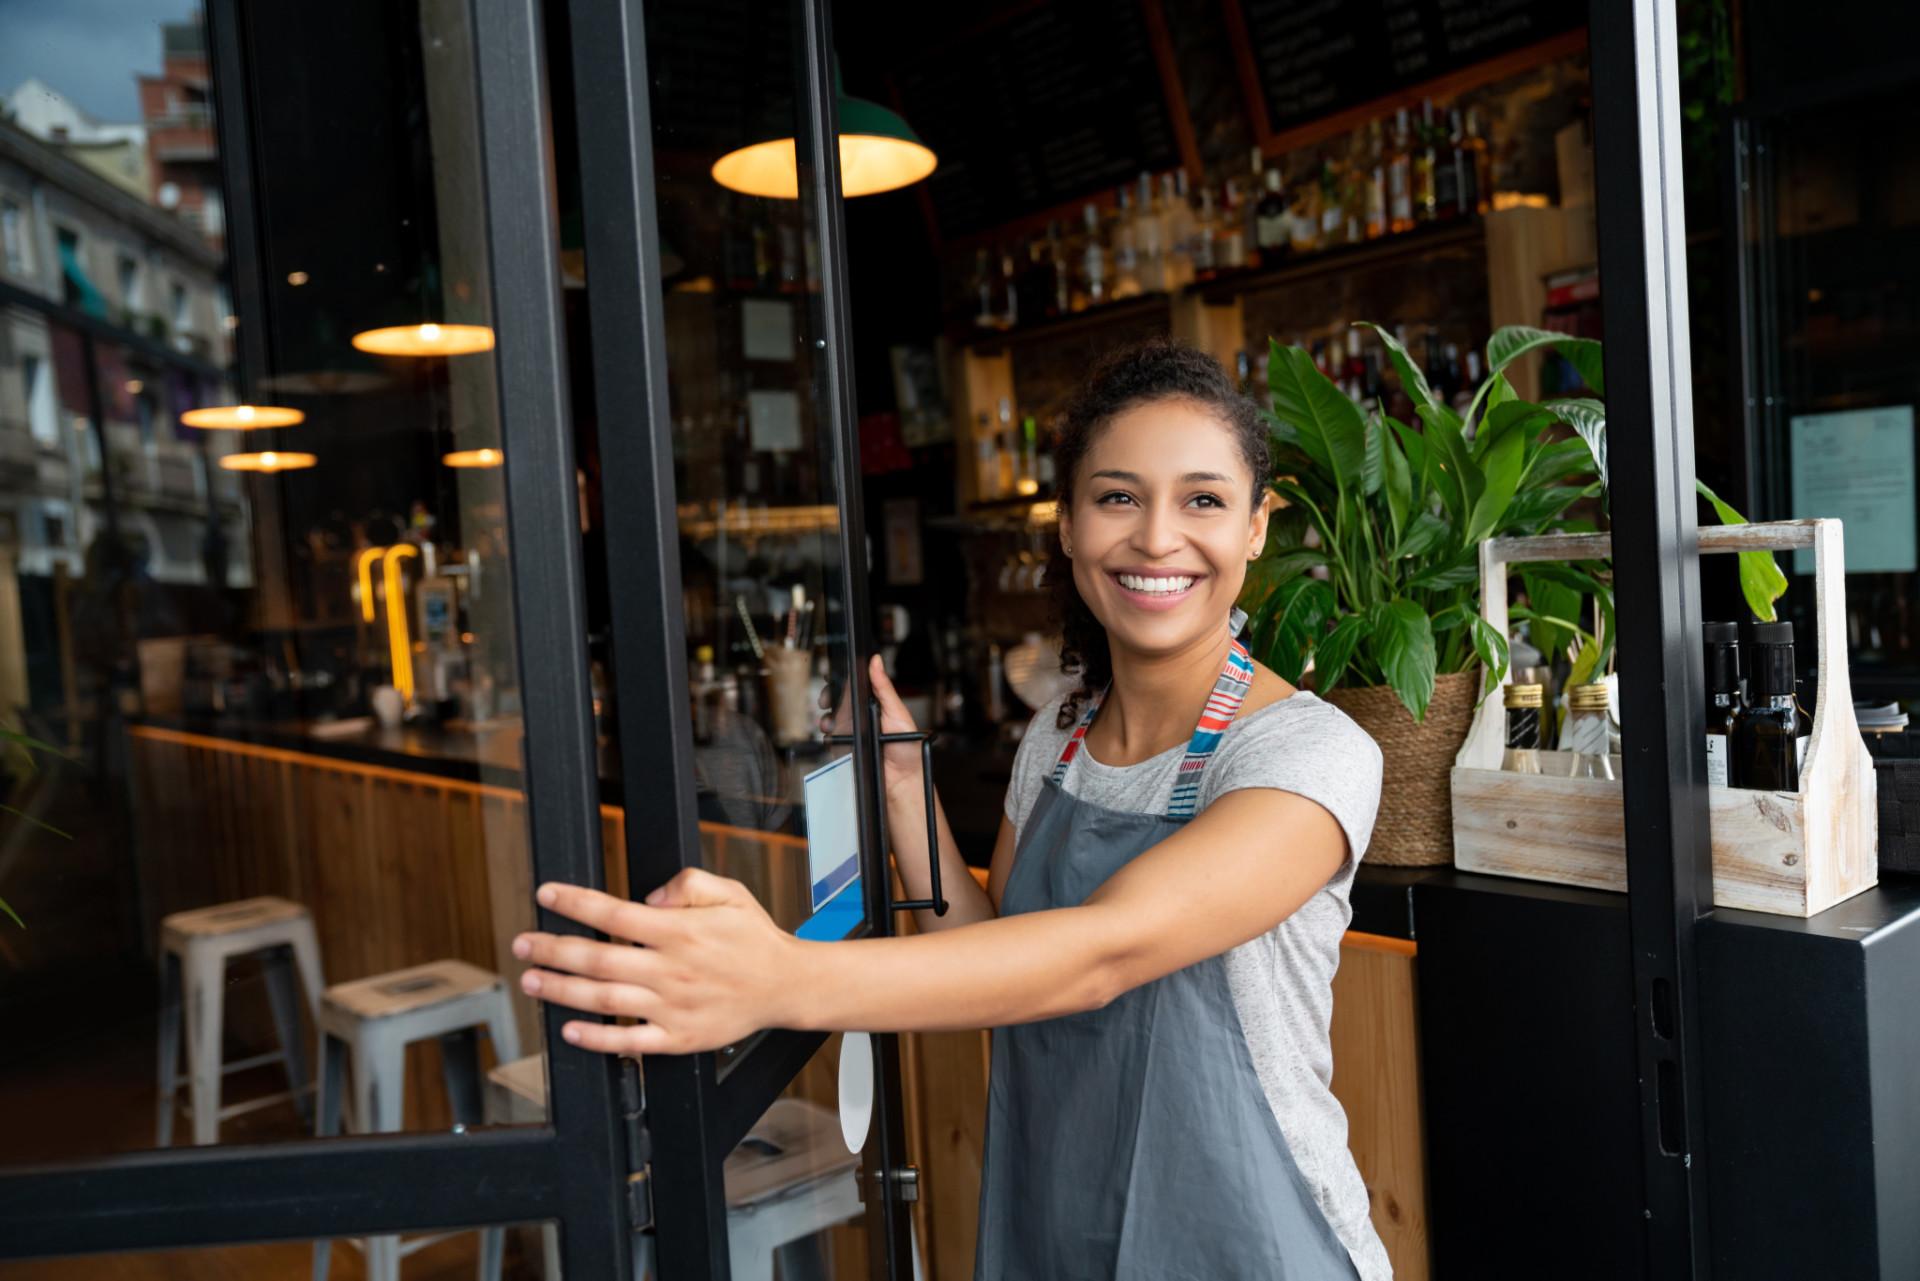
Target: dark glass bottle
x=1523 y=704
x=1723 y=698
x=1766 y=748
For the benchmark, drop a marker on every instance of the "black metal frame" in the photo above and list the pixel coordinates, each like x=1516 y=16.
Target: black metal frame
x=572 y=1170
x=1642 y=241
x=698 y=1107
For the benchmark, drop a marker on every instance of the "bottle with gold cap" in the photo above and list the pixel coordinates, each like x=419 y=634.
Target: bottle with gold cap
x=1587 y=738
x=1523 y=728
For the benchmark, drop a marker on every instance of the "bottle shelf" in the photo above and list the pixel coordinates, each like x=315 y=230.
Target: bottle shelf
x=1225 y=287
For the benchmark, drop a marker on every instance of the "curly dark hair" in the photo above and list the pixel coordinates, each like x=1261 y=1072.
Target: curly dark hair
x=1157 y=369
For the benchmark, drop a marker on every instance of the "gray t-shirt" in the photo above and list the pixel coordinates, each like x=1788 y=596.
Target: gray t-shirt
x=1282 y=980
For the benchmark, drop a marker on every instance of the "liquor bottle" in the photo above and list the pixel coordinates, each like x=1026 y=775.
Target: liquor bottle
x=1469 y=383
x=1062 y=274
x=982 y=282
x=1093 y=286
x=1426 y=160
x=1723 y=698
x=1446 y=172
x=1148 y=242
x=1523 y=704
x=1333 y=205
x=1230 y=240
x=1126 y=254
x=1356 y=371
x=1480 y=161
x=1180 y=226
x=1400 y=176
x=1460 y=161
x=1353 y=190
x=1007 y=290
x=1029 y=479
x=1270 y=220
x=1767 y=743
x=1376 y=220
x=1588 y=734
x=1036 y=279
x=1206 y=258
x=1250 y=206
x=986 y=465
x=1303 y=219
x=1008 y=452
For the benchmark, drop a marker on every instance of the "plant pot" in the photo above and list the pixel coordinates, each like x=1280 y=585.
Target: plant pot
x=1415 y=825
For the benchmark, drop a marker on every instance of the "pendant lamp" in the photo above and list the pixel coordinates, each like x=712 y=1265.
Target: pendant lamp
x=879 y=152
x=474 y=458
x=242 y=417
x=267 y=461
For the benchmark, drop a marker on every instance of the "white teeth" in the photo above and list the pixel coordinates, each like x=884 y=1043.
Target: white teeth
x=1154 y=586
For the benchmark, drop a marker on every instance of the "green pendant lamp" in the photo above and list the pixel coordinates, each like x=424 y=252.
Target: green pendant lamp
x=878 y=152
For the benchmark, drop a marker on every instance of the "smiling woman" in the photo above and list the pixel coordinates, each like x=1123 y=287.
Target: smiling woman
x=1159 y=932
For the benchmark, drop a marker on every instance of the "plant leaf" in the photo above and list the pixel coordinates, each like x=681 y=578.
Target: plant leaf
x=1533 y=508
x=1501 y=479
x=1373 y=467
x=1761 y=581
x=1556 y=461
x=1335 y=651
x=1549 y=598
x=1398 y=480
x=1426 y=532
x=1461 y=573
x=8 y=909
x=1329 y=426
x=1300 y=608
x=1491 y=648
x=26 y=817
x=1589 y=418
x=1510 y=342
x=1412 y=381
x=1402 y=639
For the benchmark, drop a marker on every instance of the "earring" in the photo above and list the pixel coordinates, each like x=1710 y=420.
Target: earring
x=1066 y=551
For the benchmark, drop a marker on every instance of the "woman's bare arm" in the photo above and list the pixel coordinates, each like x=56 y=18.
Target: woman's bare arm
x=714 y=968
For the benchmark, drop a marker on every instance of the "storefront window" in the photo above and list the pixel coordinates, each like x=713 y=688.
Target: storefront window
x=265 y=843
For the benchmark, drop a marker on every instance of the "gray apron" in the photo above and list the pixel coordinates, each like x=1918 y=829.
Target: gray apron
x=1135 y=1141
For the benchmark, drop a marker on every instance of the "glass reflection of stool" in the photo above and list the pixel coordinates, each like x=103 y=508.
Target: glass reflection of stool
x=790 y=1179
x=370 y=1023
x=195 y=947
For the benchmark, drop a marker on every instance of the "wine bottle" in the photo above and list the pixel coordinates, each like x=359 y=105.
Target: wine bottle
x=1723 y=697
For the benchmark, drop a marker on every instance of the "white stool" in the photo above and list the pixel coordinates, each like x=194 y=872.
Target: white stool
x=195 y=947
x=790 y=1179
x=372 y=1022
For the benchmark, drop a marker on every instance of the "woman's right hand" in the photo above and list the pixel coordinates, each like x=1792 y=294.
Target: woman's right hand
x=900 y=761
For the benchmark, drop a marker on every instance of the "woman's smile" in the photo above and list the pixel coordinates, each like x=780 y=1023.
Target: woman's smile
x=1155 y=589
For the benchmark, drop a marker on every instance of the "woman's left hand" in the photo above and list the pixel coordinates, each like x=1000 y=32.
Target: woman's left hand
x=713 y=968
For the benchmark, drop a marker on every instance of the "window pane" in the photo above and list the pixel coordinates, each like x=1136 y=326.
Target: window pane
x=256 y=622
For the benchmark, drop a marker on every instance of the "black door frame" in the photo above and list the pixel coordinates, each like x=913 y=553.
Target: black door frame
x=1641 y=228
x=573 y=1169
x=698 y=1107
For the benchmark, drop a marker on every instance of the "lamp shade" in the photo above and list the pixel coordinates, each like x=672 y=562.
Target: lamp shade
x=878 y=152
x=267 y=461
x=241 y=417
x=429 y=339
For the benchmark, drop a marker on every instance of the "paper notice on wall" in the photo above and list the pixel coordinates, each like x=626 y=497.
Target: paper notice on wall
x=773 y=420
x=1857 y=465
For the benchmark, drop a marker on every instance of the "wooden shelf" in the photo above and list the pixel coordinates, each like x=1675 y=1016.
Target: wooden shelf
x=1228 y=287
x=1387 y=249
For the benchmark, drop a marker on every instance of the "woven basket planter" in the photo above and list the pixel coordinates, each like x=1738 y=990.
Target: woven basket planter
x=1415 y=826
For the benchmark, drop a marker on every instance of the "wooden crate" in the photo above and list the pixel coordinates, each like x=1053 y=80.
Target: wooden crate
x=1791 y=853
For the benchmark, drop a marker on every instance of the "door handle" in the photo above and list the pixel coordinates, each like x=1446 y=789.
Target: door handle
x=937 y=903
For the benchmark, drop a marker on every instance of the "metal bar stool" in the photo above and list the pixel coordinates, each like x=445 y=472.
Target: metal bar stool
x=368 y=1024
x=789 y=1180
x=195 y=947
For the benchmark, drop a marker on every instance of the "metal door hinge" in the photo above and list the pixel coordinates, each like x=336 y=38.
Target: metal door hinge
x=906 y=1183
x=633 y=1120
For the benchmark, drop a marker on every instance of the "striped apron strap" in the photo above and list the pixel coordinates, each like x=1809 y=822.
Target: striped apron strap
x=1072 y=748
x=1222 y=706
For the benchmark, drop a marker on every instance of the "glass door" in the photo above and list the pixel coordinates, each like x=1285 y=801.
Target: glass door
x=293 y=667
x=727 y=477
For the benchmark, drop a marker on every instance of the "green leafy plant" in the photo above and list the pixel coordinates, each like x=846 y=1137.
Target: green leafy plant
x=1371 y=570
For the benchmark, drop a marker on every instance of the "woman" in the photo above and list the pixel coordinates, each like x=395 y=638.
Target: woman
x=1160 y=929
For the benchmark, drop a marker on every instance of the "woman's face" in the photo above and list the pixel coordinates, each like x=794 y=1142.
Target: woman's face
x=1162 y=526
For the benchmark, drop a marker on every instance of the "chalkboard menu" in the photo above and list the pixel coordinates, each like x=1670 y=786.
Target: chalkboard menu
x=1318 y=57
x=1043 y=106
